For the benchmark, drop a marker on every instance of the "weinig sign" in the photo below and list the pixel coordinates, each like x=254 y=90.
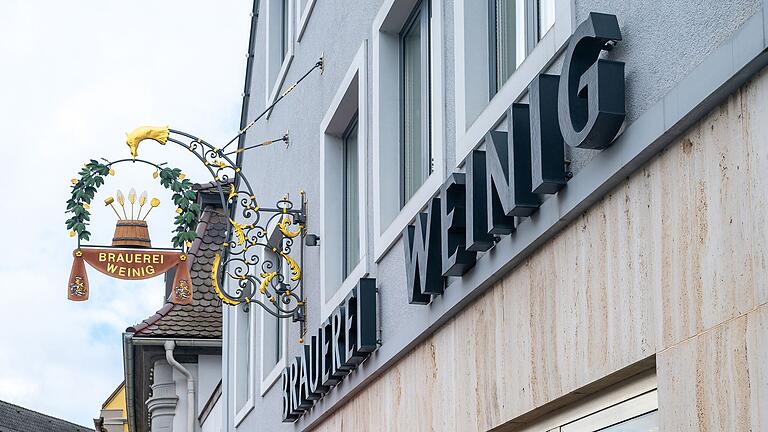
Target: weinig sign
x=583 y=107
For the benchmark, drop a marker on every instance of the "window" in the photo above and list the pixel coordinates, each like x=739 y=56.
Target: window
x=629 y=406
x=285 y=37
x=279 y=44
x=637 y=414
x=243 y=360
x=408 y=119
x=500 y=47
x=351 y=201
x=273 y=330
x=242 y=355
x=303 y=11
x=648 y=422
x=343 y=182
x=414 y=81
x=507 y=44
x=545 y=11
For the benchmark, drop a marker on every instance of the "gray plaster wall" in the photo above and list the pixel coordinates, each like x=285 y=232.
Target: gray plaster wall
x=663 y=42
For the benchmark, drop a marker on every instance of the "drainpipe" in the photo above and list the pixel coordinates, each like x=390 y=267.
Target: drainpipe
x=169 y=346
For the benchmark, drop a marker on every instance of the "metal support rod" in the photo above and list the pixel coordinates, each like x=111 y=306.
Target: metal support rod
x=261 y=144
x=318 y=64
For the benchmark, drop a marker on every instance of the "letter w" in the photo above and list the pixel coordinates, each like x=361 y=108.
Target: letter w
x=422 y=256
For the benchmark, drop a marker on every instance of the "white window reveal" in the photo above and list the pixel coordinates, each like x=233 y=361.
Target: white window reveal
x=343 y=133
x=243 y=360
x=351 y=198
x=303 y=11
x=545 y=17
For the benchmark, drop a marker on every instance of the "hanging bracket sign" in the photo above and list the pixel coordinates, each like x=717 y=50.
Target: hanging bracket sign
x=130 y=264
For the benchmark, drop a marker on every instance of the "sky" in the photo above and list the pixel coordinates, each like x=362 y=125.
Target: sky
x=75 y=76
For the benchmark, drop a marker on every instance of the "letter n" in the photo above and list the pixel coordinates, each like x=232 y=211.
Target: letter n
x=498 y=184
x=477 y=237
x=453 y=215
x=422 y=255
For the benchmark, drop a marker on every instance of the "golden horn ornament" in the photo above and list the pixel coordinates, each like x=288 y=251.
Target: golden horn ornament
x=152 y=204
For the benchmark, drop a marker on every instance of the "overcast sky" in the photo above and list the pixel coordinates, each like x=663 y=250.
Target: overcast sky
x=75 y=76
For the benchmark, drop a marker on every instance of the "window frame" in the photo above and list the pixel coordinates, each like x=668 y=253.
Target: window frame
x=334 y=287
x=302 y=17
x=475 y=113
x=622 y=412
x=389 y=217
x=621 y=397
x=268 y=379
x=273 y=31
x=354 y=124
x=420 y=16
x=493 y=80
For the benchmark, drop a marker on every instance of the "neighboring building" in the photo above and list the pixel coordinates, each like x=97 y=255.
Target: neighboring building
x=174 y=356
x=14 y=418
x=628 y=293
x=113 y=416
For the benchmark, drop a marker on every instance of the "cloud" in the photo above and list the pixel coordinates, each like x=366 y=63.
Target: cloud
x=76 y=76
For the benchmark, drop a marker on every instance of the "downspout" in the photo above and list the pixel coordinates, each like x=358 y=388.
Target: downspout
x=169 y=346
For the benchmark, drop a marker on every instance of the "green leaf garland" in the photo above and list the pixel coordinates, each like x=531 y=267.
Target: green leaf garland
x=92 y=177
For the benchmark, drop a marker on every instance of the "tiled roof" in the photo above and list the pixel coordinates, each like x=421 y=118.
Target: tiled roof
x=17 y=419
x=202 y=318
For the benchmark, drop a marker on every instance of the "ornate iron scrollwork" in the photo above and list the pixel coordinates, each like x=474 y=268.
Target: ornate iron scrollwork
x=259 y=257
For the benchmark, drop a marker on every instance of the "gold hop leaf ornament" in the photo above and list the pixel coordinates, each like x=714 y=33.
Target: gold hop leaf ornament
x=283 y=227
x=293 y=266
x=232 y=192
x=239 y=232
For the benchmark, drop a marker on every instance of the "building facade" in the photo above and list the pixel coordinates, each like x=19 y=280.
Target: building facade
x=113 y=416
x=173 y=358
x=561 y=203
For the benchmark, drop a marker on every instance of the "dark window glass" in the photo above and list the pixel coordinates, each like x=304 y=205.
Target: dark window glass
x=507 y=44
